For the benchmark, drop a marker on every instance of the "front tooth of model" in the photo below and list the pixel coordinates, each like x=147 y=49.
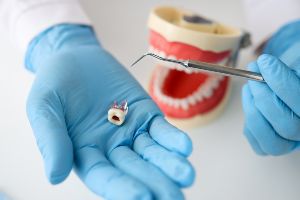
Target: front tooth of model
x=192 y=100
x=170 y=101
x=176 y=103
x=171 y=64
x=157 y=92
x=194 y=70
x=162 y=54
x=199 y=95
x=164 y=99
x=207 y=91
x=151 y=49
x=116 y=116
x=222 y=62
x=184 y=104
x=214 y=82
x=220 y=78
x=178 y=67
x=188 y=70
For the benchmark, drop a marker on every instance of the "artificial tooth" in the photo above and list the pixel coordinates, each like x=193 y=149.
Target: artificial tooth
x=176 y=103
x=207 y=91
x=116 y=116
x=184 y=104
x=151 y=49
x=214 y=83
x=187 y=70
x=199 y=95
x=192 y=100
x=167 y=100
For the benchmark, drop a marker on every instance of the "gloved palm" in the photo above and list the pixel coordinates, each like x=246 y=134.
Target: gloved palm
x=273 y=108
x=76 y=83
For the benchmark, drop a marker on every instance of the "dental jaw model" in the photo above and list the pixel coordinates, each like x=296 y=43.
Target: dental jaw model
x=117 y=113
x=190 y=97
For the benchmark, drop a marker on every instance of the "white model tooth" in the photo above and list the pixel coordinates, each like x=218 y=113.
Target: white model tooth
x=220 y=78
x=181 y=68
x=172 y=57
x=167 y=100
x=188 y=70
x=194 y=70
x=116 y=116
x=176 y=103
x=171 y=101
x=214 y=83
x=157 y=93
x=184 y=104
x=223 y=62
x=163 y=98
x=162 y=63
x=178 y=67
x=198 y=95
x=207 y=91
x=162 y=54
x=169 y=65
x=192 y=100
x=151 y=49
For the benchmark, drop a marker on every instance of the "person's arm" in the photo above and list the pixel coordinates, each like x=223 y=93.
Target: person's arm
x=76 y=83
x=25 y=19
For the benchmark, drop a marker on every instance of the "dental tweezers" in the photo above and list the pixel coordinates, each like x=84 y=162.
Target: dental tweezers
x=230 y=71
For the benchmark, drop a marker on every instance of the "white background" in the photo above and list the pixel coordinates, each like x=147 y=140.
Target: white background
x=225 y=164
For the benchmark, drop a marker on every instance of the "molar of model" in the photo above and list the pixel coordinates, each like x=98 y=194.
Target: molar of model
x=117 y=113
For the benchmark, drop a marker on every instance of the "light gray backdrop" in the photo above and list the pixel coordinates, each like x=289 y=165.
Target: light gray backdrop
x=226 y=166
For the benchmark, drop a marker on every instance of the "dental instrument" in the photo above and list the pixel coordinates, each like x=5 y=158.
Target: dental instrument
x=217 y=68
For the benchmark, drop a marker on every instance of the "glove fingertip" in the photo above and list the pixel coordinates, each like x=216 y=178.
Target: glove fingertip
x=253 y=142
x=57 y=172
x=252 y=66
x=58 y=158
x=189 y=177
x=187 y=146
x=184 y=144
x=170 y=137
x=55 y=179
x=267 y=63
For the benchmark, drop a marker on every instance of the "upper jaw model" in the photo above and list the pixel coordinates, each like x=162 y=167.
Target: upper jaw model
x=186 y=96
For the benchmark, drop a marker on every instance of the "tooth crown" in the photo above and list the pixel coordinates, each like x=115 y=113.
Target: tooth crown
x=117 y=113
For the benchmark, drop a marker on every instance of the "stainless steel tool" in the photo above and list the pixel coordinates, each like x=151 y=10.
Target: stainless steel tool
x=230 y=71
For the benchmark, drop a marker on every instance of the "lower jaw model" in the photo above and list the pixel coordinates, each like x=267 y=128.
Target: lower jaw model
x=188 y=97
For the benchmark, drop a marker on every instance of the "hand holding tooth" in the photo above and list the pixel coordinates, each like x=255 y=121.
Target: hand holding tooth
x=75 y=86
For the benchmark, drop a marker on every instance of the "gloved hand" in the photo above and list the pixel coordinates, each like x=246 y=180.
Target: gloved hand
x=272 y=109
x=76 y=83
x=3 y=196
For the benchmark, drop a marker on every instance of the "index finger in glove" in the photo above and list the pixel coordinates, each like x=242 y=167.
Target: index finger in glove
x=282 y=80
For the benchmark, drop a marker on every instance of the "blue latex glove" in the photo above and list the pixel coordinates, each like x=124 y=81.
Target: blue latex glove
x=76 y=83
x=3 y=196
x=272 y=109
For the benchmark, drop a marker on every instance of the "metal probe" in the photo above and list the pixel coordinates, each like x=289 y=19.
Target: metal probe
x=208 y=67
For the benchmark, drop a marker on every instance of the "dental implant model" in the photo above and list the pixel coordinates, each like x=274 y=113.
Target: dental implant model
x=190 y=97
x=117 y=113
